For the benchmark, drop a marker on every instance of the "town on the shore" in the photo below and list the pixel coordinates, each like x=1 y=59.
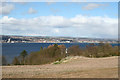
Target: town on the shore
x=49 y=39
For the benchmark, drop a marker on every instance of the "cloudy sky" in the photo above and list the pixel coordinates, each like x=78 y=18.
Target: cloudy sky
x=87 y=19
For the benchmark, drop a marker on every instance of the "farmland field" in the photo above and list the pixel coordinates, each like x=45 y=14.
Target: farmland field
x=72 y=67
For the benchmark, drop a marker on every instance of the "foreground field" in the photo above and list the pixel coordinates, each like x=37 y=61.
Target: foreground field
x=74 y=67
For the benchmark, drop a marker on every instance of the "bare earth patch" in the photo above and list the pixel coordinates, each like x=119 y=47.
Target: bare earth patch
x=75 y=67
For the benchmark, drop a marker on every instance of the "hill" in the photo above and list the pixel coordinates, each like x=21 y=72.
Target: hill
x=72 y=67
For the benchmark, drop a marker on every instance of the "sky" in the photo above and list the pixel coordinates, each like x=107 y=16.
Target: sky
x=67 y=19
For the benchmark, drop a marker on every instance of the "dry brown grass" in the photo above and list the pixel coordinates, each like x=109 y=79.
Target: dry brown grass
x=78 y=67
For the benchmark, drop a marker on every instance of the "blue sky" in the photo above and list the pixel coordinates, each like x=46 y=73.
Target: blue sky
x=66 y=9
x=83 y=19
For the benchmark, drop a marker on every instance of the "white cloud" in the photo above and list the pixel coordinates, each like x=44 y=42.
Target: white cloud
x=79 y=25
x=6 y=8
x=32 y=11
x=91 y=6
x=3 y=0
x=56 y=30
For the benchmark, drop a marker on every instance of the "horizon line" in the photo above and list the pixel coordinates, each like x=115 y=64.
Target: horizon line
x=56 y=36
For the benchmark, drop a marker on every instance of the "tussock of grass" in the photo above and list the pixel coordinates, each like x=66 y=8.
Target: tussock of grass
x=66 y=59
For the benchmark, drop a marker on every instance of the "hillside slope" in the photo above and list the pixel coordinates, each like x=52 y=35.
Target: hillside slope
x=72 y=67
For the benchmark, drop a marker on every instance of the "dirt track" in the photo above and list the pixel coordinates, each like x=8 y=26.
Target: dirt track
x=77 y=67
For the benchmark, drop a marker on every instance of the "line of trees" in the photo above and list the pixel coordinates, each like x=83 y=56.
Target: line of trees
x=45 y=55
x=57 y=52
x=101 y=50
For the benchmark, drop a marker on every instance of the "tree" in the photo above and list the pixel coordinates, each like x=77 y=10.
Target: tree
x=23 y=55
x=4 y=61
x=74 y=50
x=41 y=48
x=15 y=61
x=62 y=48
x=56 y=45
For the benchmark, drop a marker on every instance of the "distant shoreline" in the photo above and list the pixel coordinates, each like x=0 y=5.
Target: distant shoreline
x=70 y=42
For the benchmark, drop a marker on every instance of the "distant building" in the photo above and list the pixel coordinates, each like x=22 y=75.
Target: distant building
x=9 y=40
